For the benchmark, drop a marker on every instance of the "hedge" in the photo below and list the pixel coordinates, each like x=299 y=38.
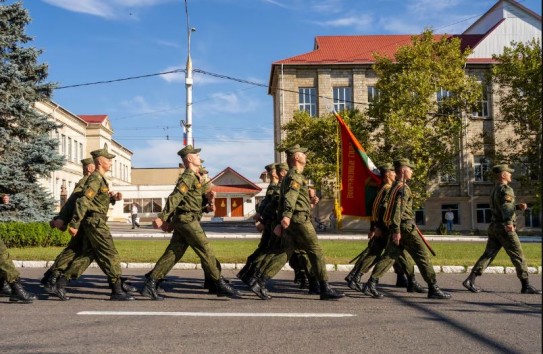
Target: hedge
x=32 y=234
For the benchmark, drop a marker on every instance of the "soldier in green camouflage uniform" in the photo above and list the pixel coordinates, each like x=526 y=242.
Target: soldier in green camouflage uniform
x=294 y=215
x=373 y=254
x=502 y=233
x=263 y=217
x=9 y=276
x=182 y=213
x=89 y=222
x=400 y=219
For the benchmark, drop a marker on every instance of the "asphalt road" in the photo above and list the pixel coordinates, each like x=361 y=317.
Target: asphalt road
x=498 y=320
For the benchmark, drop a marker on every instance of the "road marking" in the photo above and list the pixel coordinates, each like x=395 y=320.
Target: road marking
x=213 y=314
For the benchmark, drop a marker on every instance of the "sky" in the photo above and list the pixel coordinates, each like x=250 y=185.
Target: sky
x=85 y=41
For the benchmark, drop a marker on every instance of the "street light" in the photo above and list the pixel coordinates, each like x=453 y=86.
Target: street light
x=188 y=85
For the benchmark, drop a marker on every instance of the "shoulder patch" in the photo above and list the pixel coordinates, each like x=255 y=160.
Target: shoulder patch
x=508 y=198
x=294 y=185
x=90 y=193
x=183 y=188
x=104 y=189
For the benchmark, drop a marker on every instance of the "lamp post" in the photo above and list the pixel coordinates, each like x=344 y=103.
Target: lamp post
x=188 y=140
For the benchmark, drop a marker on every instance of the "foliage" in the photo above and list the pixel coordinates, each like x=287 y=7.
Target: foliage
x=32 y=234
x=414 y=124
x=27 y=152
x=518 y=81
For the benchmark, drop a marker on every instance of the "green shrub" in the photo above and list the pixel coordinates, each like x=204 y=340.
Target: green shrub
x=32 y=234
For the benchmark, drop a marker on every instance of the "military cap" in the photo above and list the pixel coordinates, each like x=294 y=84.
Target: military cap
x=294 y=149
x=87 y=161
x=270 y=167
x=403 y=162
x=385 y=167
x=102 y=152
x=189 y=149
x=281 y=166
x=502 y=167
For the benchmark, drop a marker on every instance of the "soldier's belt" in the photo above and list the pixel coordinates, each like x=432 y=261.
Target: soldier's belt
x=93 y=214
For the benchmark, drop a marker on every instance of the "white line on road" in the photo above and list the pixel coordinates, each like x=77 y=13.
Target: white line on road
x=212 y=314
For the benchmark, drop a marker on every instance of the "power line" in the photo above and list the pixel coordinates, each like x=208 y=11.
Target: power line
x=123 y=79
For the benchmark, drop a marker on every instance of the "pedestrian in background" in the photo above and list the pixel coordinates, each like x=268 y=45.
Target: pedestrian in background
x=449 y=217
x=135 y=216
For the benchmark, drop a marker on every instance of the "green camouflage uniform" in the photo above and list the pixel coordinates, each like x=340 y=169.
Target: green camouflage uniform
x=502 y=206
x=8 y=272
x=184 y=209
x=295 y=204
x=90 y=217
x=403 y=221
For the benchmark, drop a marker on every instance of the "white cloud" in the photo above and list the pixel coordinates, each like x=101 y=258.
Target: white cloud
x=360 y=22
x=156 y=153
x=276 y=3
x=423 y=8
x=328 y=6
x=226 y=102
x=398 y=25
x=138 y=105
x=105 y=8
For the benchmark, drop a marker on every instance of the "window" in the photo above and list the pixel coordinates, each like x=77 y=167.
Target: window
x=80 y=151
x=342 y=98
x=373 y=95
x=75 y=151
x=481 y=107
x=481 y=167
x=69 y=151
x=443 y=107
x=63 y=144
x=531 y=219
x=527 y=170
x=307 y=100
x=484 y=215
x=419 y=217
x=145 y=205
x=454 y=208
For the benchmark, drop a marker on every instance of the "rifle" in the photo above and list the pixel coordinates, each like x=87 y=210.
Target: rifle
x=425 y=242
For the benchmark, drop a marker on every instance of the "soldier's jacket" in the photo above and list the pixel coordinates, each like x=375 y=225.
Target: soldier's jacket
x=294 y=195
x=272 y=188
x=187 y=196
x=399 y=206
x=95 y=199
x=67 y=211
x=379 y=206
x=502 y=204
x=269 y=212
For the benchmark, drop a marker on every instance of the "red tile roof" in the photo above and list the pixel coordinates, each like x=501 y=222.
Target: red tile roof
x=96 y=118
x=236 y=189
x=361 y=49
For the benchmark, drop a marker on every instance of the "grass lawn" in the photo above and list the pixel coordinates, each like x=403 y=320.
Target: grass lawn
x=336 y=252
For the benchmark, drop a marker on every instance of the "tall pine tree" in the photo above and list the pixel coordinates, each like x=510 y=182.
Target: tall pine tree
x=27 y=151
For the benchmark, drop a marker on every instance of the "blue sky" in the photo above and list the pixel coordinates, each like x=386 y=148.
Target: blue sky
x=96 y=40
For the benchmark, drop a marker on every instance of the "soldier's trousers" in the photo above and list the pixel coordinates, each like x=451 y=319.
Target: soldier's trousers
x=413 y=244
x=7 y=269
x=98 y=245
x=73 y=249
x=300 y=235
x=263 y=246
x=187 y=232
x=373 y=256
x=498 y=238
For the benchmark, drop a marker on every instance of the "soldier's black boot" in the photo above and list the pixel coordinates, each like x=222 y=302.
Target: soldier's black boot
x=6 y=289
x=370 y=289
x=255 y=284
x=248 y=274
x=159 y=289
x=469 y=283
x=117 y=292
x=436 y=293
x=302 y=280
x=49 y=281
x=150 y=290
x=19 y=294
x=401 y=280
x=413 y=286
x=58 y=289
x=207 y=282
x=527 y=288
x=327 y=293
x=127 y=287
x=225 y=289
x=314 y=287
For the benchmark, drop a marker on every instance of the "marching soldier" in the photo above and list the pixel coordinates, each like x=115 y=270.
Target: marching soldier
x=400 y=219
x=182 y=213
x=9 y=276
x=502 y=232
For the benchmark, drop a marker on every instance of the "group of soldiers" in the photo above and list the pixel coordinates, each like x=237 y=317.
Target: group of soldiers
x=288 y=235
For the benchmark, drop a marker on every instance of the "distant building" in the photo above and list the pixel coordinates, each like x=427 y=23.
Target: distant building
x=340 y=67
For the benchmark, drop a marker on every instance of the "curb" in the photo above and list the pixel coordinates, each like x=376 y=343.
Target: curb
x=329 y=267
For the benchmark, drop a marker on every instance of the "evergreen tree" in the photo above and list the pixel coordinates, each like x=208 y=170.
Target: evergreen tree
x=27 y=151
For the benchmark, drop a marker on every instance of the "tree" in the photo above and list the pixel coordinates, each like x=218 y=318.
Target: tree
x=27 y=152
x=422 y=94
x=518 y=79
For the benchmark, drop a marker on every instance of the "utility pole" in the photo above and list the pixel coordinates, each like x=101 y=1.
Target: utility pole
x=187 y=124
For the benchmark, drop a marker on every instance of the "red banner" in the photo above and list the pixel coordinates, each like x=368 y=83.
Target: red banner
x=359 y=182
